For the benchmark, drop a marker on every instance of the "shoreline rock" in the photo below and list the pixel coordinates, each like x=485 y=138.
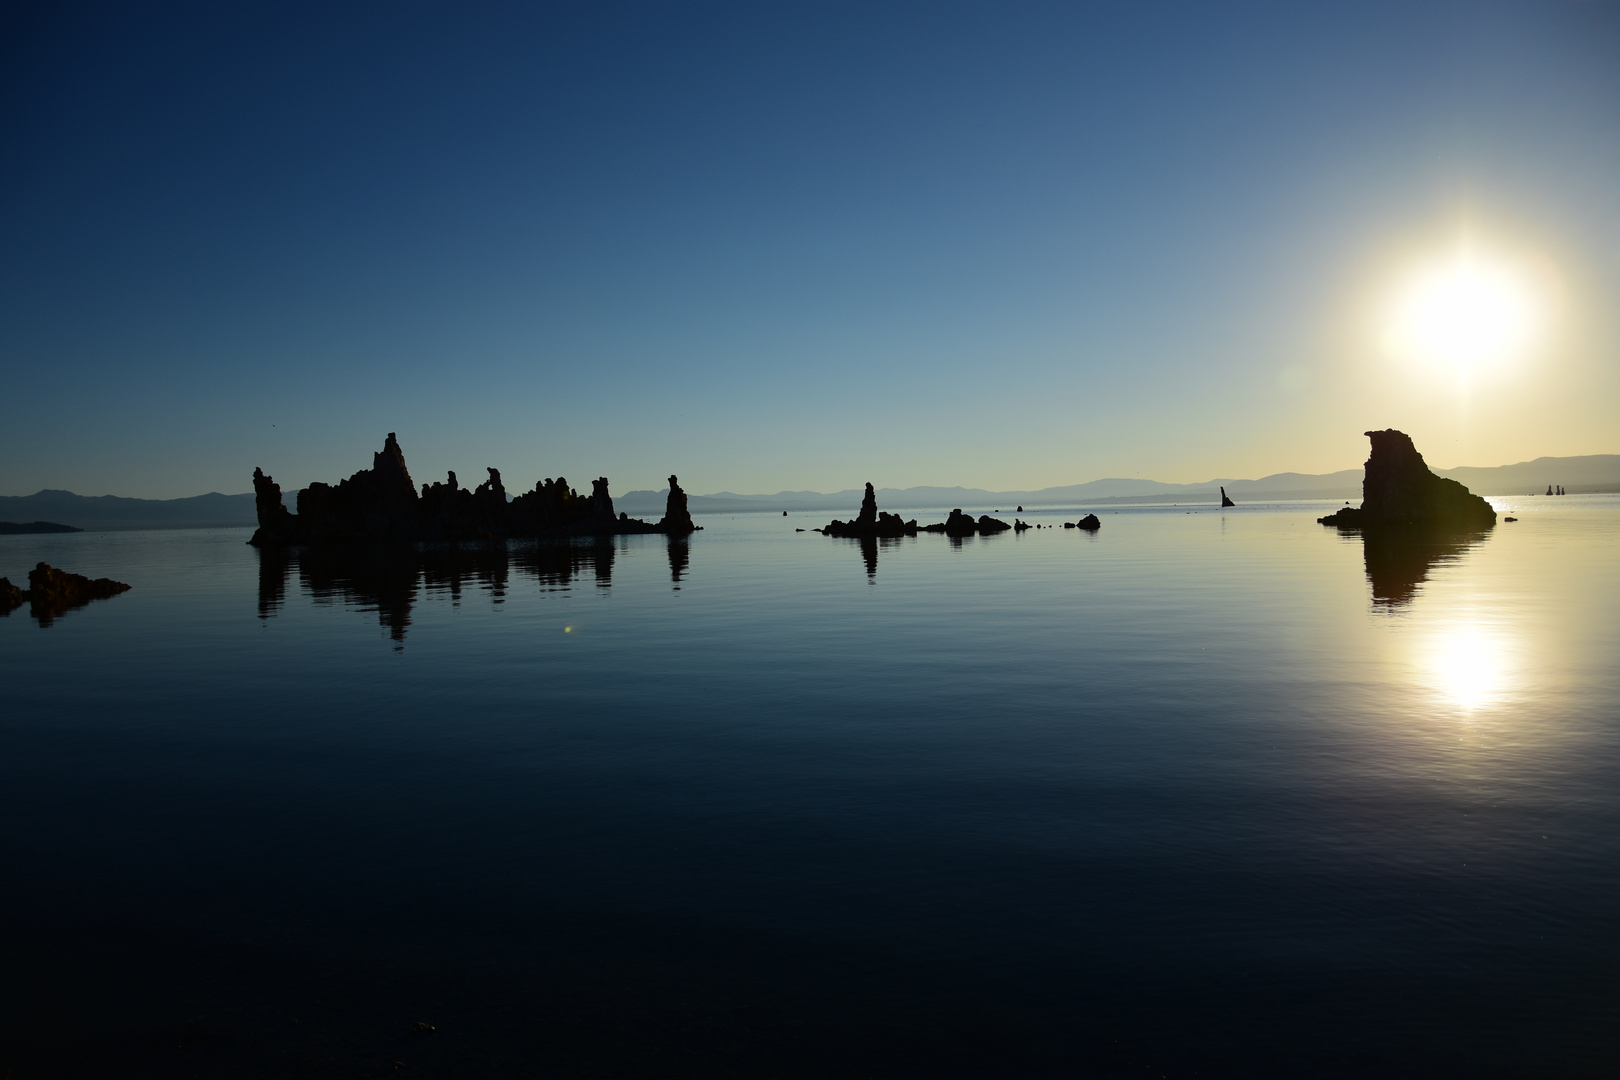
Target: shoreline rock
x=1399 y=490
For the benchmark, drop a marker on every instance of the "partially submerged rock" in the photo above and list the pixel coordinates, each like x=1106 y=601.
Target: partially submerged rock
x=1399 y=490
x=382 y=504
x=1225 y=502
x=52 y=592
x=26 y=528
x=960 y=524
x=1091 y=523
x=870 y=522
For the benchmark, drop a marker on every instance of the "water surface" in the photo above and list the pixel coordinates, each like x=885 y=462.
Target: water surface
x=1205 y=794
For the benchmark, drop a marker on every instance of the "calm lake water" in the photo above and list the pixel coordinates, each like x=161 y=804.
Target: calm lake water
x=1205 y=794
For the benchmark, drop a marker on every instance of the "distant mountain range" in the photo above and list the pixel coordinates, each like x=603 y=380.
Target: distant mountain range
x=101 y=513
x=1591 y=473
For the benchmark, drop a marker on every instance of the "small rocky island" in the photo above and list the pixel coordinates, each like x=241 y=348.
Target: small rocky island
x=1399 y=490
x=52 y=592
x=872 y=523
x=382 y=504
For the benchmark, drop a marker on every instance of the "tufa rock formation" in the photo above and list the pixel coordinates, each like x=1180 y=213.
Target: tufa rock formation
x=382 y=504
x=677 y=520
x=1399 y=490
x=52 y=592
x=960 y=524
x=870 y=523
x=1225 y=502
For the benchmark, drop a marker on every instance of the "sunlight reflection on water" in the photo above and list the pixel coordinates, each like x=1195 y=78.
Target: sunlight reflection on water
x=1468 y=661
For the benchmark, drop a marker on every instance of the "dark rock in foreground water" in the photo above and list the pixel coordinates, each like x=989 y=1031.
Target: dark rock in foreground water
x=52 y=592
x=1091 y=523
x=24 y=528
x=382 y=504
x=1399 y=489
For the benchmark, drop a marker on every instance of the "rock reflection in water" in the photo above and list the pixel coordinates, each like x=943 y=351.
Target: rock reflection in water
x=870 y=546
x=1399 y=560
x=388 y=578
x=680 y=553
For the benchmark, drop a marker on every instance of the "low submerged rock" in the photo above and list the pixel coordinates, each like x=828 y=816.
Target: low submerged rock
x=1399 y=490
x=28 y=528
x=382 y=504
x=52 y=592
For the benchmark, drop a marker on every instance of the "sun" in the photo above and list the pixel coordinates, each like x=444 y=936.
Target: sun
x=1467 y=312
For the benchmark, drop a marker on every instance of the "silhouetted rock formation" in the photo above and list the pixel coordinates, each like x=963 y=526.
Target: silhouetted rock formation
x=1091 y=523
x=870 y=522
x=1399 y=489
x=1225 y=502
x=23 y=528
x=381 y=504
x=52 y=592
x=677 y=519
x=1019 y=525
x=960 y=524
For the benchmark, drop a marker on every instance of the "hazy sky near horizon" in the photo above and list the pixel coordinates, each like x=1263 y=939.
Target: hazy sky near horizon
x=774 y=246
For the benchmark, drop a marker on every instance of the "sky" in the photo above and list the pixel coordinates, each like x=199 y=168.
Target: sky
x=792 y=246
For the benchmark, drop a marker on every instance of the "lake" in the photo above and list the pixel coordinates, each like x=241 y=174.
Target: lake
x=1203 y=794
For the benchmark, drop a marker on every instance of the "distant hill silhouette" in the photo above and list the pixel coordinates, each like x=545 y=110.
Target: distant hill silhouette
x=101 y=513
x=1593 y=472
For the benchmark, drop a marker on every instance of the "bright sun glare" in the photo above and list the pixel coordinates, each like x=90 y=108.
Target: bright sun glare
x=1466 y=313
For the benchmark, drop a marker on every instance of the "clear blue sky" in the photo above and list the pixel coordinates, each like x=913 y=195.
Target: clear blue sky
x=785 y=246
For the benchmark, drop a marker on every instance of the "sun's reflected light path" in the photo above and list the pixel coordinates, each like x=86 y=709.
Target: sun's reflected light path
x=1468 y=661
